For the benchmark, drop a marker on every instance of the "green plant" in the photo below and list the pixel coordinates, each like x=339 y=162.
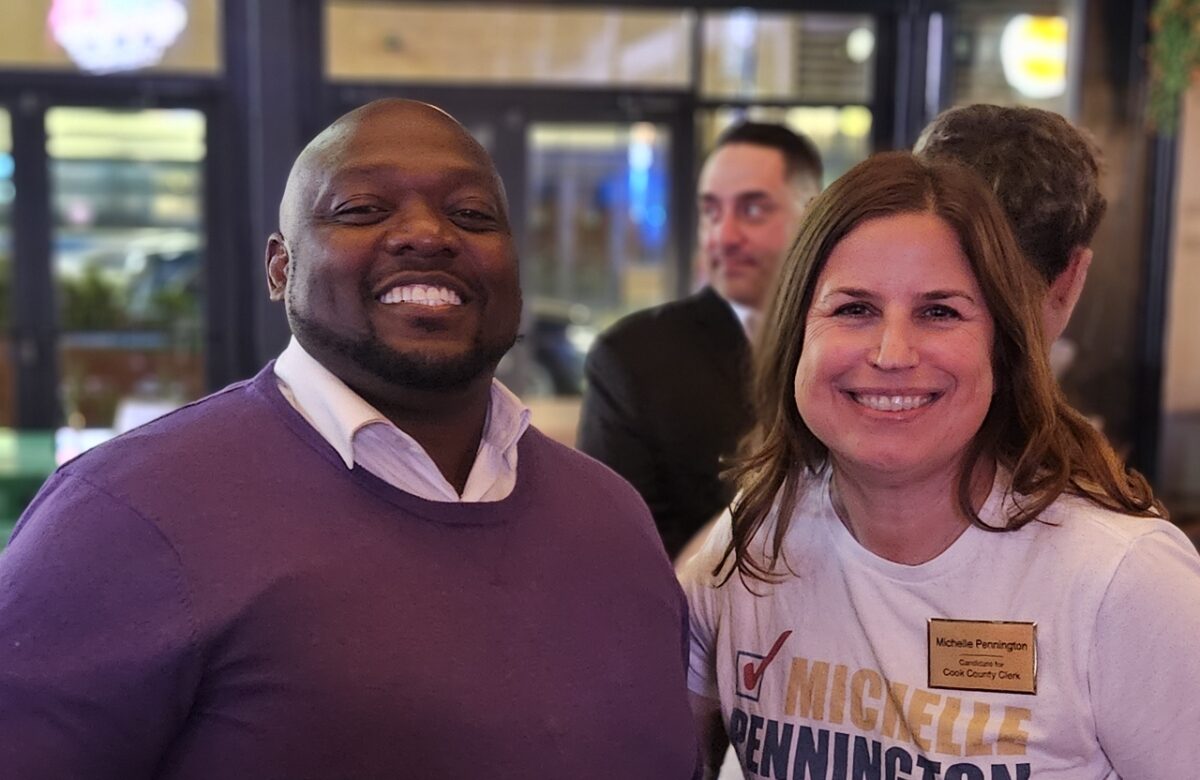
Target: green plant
x=91 y=302
x=1174 y=57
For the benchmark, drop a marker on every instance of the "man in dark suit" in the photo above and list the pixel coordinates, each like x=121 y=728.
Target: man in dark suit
x=667 y=393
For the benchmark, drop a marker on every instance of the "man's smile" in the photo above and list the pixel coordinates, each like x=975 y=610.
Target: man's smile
x=422 y=295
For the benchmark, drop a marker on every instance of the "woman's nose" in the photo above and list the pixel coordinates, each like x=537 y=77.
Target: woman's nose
x=897 y=346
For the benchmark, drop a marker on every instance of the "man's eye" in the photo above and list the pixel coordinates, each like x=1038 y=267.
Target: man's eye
x=358 y=212
x=757 y=210
x=474 y=218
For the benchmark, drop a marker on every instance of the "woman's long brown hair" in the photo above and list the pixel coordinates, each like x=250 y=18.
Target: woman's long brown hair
x=1029 y=430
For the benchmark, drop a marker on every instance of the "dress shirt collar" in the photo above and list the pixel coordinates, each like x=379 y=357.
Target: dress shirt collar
x=747 y=317
x=338 y=413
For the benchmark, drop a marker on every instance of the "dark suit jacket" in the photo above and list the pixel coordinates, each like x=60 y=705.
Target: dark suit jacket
x=667 y=398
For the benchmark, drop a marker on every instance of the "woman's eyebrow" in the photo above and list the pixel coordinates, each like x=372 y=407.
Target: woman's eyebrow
x=941 y=295
x=851 y=292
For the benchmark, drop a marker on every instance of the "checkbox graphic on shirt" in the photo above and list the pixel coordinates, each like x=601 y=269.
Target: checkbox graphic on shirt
x=751 y=667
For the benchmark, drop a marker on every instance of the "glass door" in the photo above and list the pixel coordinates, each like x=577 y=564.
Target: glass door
x=599 y=237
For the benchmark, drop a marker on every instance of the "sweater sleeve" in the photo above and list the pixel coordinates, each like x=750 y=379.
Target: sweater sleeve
x=1145 y=670
x=97 y=660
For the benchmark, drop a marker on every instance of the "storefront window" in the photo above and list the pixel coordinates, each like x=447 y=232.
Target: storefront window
x=811 y=58
x=483 y=44
x=128 y=261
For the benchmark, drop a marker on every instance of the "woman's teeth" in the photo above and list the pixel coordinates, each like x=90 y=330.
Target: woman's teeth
x=893 y=403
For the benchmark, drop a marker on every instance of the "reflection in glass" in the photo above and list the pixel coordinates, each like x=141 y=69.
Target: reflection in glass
x=512 y=45
x=815 y=58
x=128 y=259
x=7 y=192
x=1017 y=53
x=842 y=134
x=599 y=237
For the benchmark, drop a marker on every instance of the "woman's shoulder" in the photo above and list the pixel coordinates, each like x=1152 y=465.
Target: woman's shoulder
x=1079 y=524
x=811 y=506
x=698 y=570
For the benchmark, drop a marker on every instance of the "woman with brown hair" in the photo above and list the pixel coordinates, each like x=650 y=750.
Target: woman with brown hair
x=934 y=566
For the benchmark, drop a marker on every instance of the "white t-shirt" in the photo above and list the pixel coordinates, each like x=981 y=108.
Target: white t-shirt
x=847 y=693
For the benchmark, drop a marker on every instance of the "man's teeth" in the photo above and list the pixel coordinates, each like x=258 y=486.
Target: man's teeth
x=421 y=294
x=893 y=403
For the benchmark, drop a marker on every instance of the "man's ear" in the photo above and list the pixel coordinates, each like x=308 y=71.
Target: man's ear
x=278 y=266
x=1064 y=293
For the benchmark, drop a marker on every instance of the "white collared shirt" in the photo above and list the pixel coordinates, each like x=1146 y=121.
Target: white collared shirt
x=745 y=316
x=362 y=435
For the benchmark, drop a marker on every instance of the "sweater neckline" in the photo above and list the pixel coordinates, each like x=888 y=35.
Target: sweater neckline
x=265 y=385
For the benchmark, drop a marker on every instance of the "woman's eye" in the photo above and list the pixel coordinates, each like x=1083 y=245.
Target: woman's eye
x=940 y=312
x=852 y=310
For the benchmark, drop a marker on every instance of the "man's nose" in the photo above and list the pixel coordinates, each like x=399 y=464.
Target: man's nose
x=896 y=346
x=726 y=230
x=421 y=229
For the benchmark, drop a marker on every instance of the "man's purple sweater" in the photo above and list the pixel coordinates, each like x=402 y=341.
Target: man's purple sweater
x=214 y=595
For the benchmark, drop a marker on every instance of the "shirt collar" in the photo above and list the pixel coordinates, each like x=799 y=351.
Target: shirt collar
x=338 y=413
x=335 y=410
x=744 y=314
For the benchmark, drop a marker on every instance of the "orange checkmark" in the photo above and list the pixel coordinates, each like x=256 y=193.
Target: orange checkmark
x=751 y=676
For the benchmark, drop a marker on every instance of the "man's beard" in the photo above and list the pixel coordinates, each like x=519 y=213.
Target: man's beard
x=404 y=369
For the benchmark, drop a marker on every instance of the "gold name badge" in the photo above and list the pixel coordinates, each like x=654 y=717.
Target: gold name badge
x=982 y=655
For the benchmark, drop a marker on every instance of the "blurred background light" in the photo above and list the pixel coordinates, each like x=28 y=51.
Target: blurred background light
x=1033 y=54
x=107 y=36
x=860 y=45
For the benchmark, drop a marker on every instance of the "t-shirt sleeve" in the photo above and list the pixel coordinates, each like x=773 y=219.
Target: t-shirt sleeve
x=703 y=595
x=1145 y=669
x=96 y=639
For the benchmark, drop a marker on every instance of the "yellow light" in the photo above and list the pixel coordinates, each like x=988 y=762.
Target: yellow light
x=1033 y=54
x=855 y=121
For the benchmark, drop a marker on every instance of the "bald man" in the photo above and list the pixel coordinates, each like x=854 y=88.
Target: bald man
x=363 y=562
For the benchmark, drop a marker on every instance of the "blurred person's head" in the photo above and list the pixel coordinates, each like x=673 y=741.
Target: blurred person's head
x=904 y=337
x=1046 y=174
x=753 y=191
